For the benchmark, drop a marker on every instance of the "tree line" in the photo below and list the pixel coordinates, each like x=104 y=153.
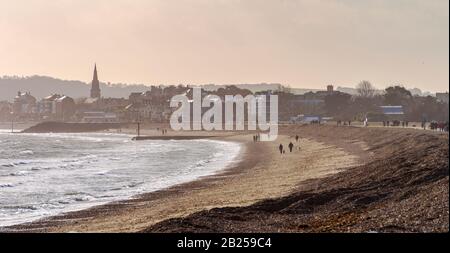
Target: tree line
x=368 y=100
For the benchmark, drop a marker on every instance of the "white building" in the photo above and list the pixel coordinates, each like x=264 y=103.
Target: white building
x=100 y=117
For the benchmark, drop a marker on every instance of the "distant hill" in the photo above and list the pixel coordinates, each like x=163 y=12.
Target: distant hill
x=251 y=87
x=42 y=86
x=261 y=87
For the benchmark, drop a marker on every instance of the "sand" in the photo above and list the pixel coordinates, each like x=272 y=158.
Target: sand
x=401 y=186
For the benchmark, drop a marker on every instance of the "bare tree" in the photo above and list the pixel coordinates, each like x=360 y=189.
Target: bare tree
x=365 y=89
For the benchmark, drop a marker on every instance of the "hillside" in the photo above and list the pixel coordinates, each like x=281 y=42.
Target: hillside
x=42 y=86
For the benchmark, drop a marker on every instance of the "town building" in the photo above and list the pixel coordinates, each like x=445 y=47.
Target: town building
x=64 y=108
x=5 y=111
x=56 y=107
x=47 y=105
x=99 y=117
x=24 y=103
x=442 y=97
x=152 y=105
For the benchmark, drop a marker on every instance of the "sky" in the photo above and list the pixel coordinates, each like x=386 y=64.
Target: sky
x=301 y=43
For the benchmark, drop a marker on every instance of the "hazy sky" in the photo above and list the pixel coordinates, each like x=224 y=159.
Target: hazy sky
x=304 y=43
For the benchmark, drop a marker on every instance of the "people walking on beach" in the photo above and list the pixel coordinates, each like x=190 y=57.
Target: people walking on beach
x=296 y=138
x=281 y=148
x=291 y=146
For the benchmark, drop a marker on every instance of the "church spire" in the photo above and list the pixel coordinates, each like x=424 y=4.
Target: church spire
x=95 y=89
x=95 y=72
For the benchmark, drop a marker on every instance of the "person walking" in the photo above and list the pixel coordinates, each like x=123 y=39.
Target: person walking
x=291 y=146
x=281 y=148
x=296 y=138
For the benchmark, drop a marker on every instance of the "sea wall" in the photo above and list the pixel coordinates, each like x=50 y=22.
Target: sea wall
x=62 y=127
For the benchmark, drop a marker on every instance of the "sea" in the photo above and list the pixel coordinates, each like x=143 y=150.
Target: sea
x=48 y=174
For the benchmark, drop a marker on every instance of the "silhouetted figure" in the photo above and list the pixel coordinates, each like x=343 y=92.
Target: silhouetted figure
x=349 y=122
x=387 y=123
x=291 y=146
x=281 y=148
x=296 y=138
x=384 y=123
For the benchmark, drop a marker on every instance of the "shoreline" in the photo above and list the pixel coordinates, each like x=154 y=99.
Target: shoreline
x=331 y=162
x=224 y=188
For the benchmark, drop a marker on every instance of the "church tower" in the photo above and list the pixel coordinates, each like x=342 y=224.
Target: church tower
x=95 y=89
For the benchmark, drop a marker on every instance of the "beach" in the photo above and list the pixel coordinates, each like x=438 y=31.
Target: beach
x=251 y=194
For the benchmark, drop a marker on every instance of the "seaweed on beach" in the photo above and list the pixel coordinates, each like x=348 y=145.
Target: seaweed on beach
x=402 y=187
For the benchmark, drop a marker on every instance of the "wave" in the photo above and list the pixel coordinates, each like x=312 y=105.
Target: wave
x=6 y=185
x=15 y=164
x=19 y=173
x=26 y=152
x=77 y=173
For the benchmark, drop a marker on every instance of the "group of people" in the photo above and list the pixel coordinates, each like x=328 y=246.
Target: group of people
x=439 y=126
x=163 y=131
x=345 y=123
x=290 y=146
x=433 y=125
x=396 y=123
x=256 y=137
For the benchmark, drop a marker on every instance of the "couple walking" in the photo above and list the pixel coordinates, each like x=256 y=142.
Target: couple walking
x=290 y=146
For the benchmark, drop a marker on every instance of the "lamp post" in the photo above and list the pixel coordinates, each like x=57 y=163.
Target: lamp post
x=138 y=121
x=12 y=122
